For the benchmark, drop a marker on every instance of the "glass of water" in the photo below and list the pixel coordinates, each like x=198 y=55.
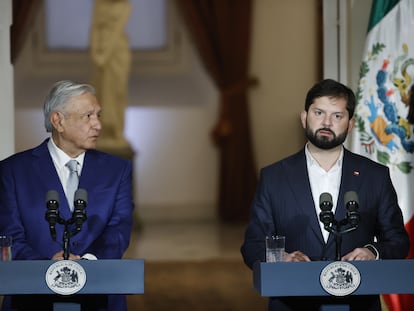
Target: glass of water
x=5 y=247
x=275 y=248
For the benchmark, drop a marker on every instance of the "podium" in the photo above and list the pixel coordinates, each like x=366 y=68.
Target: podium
x=117 y=276
x=283 y=279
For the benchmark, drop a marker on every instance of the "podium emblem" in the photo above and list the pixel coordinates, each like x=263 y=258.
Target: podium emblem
x=340 y=278
x=65 y=277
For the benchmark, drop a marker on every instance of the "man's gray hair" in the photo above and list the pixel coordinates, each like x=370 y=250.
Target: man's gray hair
x=59 y=95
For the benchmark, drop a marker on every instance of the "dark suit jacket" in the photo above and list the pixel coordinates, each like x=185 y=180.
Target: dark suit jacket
x=283 y=205
x=27 y=176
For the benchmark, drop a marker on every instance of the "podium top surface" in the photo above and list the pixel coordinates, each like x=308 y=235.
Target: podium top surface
x=123 y=276
x=303 y=278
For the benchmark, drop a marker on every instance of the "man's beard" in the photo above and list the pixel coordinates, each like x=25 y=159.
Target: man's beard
x=324 y=142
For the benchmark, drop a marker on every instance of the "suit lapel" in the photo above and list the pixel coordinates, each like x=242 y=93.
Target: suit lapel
x=298 y=178
x=350 y=181
x=94 y=168
x=90 y=169
x=44 y=168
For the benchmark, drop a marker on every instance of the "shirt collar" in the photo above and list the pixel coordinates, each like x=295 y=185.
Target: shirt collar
x=310 y=160
x=60 y=157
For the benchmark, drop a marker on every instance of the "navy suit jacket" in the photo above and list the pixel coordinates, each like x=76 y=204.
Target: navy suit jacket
x=27 y=176
x=283 y=205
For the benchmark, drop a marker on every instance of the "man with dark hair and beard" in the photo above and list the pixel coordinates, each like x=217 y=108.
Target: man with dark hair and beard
x=287 y=200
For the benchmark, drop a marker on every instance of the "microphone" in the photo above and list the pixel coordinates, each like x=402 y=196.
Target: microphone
x=52 y=214
x=352 y=205
x=79 y=208
x=325 y=203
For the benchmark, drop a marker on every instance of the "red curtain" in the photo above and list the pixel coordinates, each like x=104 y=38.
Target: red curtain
x=221 y=31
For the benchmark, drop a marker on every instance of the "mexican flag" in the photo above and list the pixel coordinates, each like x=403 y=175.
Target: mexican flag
x=382 y=130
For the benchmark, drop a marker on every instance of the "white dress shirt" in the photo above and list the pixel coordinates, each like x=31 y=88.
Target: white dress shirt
x=60 y=159
x=324 y=181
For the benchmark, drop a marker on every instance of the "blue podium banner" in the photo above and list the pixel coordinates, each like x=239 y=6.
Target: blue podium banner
x=304 y=278
x=124 y=276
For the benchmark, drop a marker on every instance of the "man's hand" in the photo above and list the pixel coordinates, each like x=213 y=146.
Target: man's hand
x=296 y=256
x=360 y=253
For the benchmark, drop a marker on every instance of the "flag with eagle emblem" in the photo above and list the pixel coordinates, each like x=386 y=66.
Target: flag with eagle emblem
x=384 y=114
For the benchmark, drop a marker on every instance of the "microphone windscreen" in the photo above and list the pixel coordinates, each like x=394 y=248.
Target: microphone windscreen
x=351 y=196
x=52 y=195
x=325 y=197
x=81 y=194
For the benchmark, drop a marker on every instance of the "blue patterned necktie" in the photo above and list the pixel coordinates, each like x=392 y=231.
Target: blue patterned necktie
x=72 y=183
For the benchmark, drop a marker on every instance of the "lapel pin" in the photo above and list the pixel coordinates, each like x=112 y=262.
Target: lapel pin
x=356 y=173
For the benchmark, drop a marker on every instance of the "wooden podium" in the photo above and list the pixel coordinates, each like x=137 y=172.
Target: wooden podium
x=124 y=276
x=303 y=278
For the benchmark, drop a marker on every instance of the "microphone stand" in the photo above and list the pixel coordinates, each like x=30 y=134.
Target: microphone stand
x=67 y=234
x=78 y=216
x=66 y=239
x=336 y=229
